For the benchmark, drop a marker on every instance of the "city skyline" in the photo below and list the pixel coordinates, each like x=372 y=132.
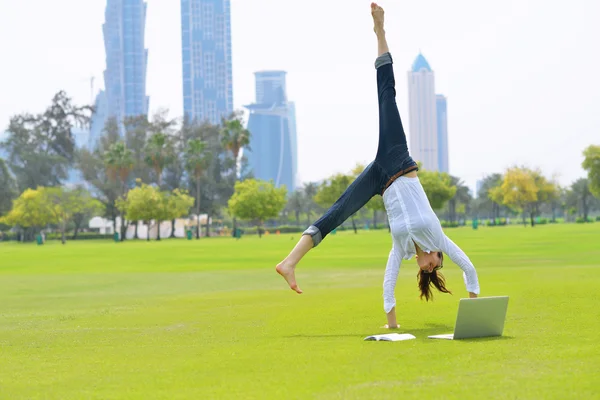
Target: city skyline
x=206 y=59
x=495 y=64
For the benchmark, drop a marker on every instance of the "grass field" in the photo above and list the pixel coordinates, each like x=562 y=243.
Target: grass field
x=210 y=319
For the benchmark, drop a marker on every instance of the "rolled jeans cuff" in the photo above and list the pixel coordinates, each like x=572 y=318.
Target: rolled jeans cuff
x=315 y=233
x=385 y=58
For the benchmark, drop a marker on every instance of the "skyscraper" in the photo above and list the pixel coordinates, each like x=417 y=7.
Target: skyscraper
x=126 y=59
x=422 y=111
x=441 y=106
x=273 y=153
x=428 y=137
x=206 y=53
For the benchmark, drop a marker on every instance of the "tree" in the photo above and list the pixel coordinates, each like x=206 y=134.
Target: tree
x=177 y=204
x=332 y=189
x=591 y=164
x=485 y=201
x=8 y=188
x=197 y=160
x=119 y=163
x=65 y=204
x=518 y=191
x=257 y=201
x=461 y=197
x=234 y=137
x=159 y=154
x=142 y=203
x=84 y=208
x=137 y=130
x=438 y=187
x=175 y=170
x=375 y=204
x=296 y=204
x=31 y=210
x=310 y=191
x=94 y=170
x=581 y=189
x=41 y=147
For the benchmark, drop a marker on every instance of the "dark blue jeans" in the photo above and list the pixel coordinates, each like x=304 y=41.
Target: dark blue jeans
x=391 y=161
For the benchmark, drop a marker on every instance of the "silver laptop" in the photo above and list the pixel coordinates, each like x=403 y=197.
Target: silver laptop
x=479 y=317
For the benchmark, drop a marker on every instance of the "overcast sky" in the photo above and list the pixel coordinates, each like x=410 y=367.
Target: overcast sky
x=522 y=77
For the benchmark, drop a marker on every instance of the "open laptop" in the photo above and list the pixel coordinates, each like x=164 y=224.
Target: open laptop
x=479 y=317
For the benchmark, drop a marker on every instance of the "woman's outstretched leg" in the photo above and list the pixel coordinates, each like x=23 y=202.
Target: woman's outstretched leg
x=368 y=183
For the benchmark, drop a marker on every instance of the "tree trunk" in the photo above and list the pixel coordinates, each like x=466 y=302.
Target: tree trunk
x=158 y=230
x=123 y=227
x=148 y=230
x=136 y=235
x=585 y=207
x=198 y=208
x=524 y=219
x=115 y=223
x=297 y=218
x=76 y=232
x=207 y=225
x=63 y=238
x=354 y=225
x=531 y=216
x=234 y=225
x=374 y=219
x=259 y=230
x=173 y=229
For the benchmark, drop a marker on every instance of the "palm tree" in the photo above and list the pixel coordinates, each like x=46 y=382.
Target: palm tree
x=296 y=204
x=118 y=161
x=310 y=191
x=159 y=154
x=581 y=189
x=197 y=160
x=234 y=137
x=462 y=196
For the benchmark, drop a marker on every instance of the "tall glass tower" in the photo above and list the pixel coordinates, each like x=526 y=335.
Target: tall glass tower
x=206 y=53
x=126 y=59
x=273 y=153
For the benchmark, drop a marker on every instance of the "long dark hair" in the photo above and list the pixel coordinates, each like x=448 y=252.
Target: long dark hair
x=426 y=279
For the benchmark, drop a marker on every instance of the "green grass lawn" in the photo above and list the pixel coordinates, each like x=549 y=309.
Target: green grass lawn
x=210 y=319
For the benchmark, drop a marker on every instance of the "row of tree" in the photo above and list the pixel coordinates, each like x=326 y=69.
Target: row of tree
x=142 y=169
x=519 y=191
x=203 y=159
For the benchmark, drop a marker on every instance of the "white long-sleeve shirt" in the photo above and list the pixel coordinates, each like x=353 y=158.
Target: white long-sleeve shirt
x=412 y=219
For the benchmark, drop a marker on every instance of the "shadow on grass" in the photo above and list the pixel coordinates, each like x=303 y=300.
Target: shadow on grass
x=431 y=329
x=487 y=339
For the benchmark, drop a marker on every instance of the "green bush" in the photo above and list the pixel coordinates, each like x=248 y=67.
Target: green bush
x=580 y=220
x=542 y=221
x=447 y=224
x=598 y=218
x=253 y=230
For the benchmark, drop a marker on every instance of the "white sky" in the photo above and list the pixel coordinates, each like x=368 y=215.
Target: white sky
x=521 y=76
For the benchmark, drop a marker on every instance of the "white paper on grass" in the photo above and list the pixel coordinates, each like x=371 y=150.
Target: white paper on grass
x=391 y=337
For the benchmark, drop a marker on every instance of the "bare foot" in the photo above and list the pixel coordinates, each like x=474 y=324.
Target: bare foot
x=288 y=273
x=378 y=17
x=386 y=326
